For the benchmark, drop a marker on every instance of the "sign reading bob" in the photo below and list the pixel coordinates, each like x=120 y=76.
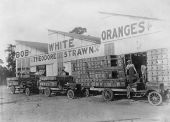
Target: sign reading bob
x=21 y=54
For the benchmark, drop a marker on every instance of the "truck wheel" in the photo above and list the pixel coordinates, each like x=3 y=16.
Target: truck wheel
x=107 y=94
x=27 y=91
x=70 y=94
x=155 y=98
x=47 y=92
x=12 y=88
x=86 y=92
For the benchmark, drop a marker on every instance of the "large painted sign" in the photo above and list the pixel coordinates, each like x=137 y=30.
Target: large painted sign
x=21 y=54
x=43 y=59
x=81 y=51
x=63 y=43
x=128 y=30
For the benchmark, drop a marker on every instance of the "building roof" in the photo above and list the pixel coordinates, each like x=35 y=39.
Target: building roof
x=77 y=36
x=38 y=45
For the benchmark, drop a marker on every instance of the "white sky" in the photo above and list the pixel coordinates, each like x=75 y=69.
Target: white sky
x=29 y=20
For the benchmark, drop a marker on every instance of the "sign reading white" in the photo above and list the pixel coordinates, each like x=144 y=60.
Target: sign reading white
x=125 y=31
x=65 y=44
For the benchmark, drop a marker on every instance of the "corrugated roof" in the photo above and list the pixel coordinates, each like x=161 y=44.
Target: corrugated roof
x=38 y=45
x=78 y=36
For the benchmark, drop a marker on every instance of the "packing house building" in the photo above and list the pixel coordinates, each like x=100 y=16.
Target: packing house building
x=134 y=37
x=49 y=58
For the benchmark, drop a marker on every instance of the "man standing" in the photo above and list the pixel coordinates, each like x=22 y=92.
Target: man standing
x=63 y=72
x=131 y=71
x=143 y=71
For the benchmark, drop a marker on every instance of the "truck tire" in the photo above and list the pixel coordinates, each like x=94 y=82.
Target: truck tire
x=27 y=91
x=12 y=88
x=107 y=95
x=155 y=98
x=70 y=94
x=47 y=92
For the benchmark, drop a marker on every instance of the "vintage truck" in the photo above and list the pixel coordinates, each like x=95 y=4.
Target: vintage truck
x=43 y=84
x=106 y=75
x=25 y=84
x=62 y=84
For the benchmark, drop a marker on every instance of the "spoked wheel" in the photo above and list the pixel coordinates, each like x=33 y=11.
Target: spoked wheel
x=86 y=92
x=27 y=91
x=12 y=89
x=107 y=94
x=70 y=94
x=155 y=98
x=47 y=92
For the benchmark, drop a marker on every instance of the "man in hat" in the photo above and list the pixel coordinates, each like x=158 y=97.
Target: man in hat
x=131 y=71
x=63 y=72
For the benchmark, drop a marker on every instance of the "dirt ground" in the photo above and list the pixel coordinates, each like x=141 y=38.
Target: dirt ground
x=38 y=108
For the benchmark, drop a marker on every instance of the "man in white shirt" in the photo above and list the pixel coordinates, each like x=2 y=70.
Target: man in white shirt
x=143 y=71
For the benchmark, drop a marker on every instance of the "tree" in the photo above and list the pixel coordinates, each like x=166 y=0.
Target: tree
x=3 y=75
x=1 y=61
x=79 y=30
x=11 y=61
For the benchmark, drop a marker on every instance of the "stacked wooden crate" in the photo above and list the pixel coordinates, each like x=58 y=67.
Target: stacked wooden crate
x=52 y=81
x=103 y=71
x=13 y=81
x=158 y=65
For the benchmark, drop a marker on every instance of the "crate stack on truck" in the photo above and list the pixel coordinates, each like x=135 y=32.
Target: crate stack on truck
x=100 y=72
x=158 y=66
x=13 y=81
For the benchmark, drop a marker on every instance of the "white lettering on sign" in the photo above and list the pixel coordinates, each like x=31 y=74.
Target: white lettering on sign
x=22 y=54
x=42 y=58
x=65 y=44
x=81 y=51
x=124 y=31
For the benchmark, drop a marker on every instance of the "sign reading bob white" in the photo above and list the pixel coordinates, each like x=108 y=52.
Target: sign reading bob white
x=129 y=30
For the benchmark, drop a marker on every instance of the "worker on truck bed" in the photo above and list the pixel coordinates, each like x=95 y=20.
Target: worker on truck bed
x=63 y=72
x=143 y=71
x=131 y=71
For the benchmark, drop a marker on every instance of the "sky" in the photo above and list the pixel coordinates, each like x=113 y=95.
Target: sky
x=29 y=20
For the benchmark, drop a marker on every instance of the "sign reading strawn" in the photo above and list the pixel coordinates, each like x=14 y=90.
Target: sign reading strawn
x=124 y=31
x=81 y=51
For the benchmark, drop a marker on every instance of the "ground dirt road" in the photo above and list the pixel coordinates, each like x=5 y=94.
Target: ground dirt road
x=38 y=108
